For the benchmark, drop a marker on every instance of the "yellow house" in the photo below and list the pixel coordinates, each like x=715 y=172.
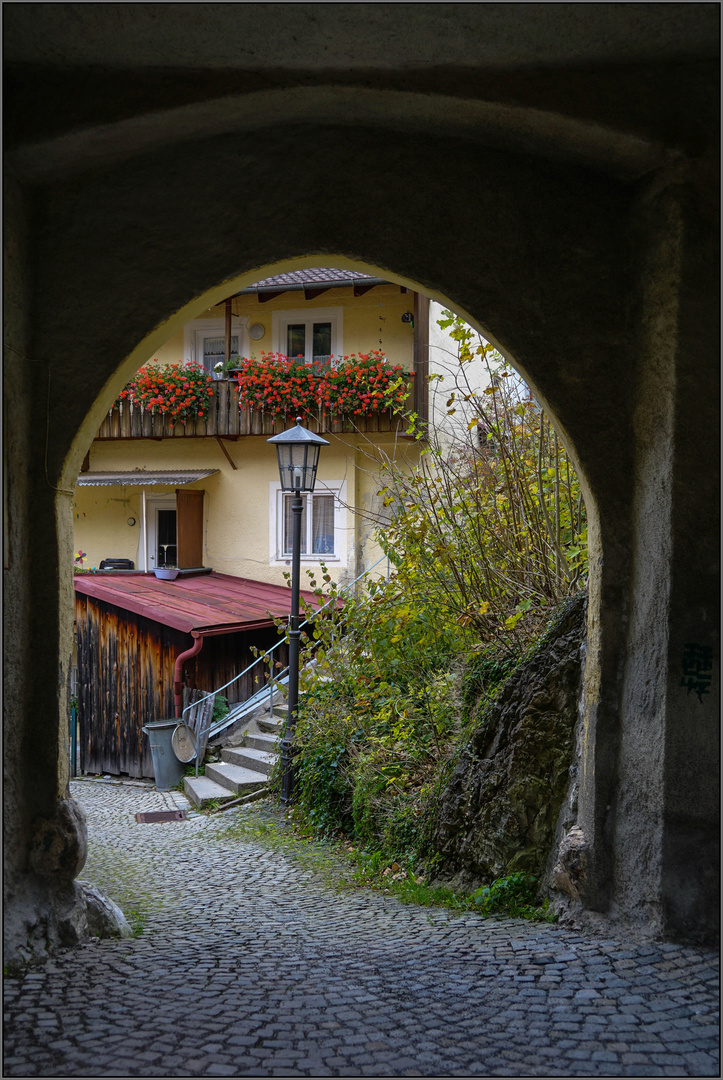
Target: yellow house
x=208 y=494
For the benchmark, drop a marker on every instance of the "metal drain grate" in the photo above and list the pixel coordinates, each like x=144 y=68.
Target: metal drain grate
x=161 y=815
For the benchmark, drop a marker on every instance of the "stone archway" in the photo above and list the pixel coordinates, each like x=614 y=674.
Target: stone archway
x=589 y=258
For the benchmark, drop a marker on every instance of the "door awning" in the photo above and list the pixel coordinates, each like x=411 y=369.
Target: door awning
x=143 y=477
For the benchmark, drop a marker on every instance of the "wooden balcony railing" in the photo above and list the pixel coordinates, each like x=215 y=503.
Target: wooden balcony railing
x=225 y=418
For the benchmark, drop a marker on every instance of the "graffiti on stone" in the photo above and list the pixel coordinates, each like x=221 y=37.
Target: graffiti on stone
x=697 y=668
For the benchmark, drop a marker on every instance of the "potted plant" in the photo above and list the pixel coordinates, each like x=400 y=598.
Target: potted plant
x=180 y=391
x=227 y=369
x=358 y=385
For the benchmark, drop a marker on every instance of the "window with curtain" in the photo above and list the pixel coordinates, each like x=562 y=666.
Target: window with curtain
x=317 y=525
x=214 y=350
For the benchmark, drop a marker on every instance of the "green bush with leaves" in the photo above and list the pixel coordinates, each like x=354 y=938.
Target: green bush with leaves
x=514 y=895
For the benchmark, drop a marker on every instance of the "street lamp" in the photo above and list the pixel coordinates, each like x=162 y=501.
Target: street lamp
x=298 y=454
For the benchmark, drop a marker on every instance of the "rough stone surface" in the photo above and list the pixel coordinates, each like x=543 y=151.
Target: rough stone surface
x=105 y=918
x=568 y=872
x=59 y=845
x=46 y=909
x=248 y=965
x=499 y=812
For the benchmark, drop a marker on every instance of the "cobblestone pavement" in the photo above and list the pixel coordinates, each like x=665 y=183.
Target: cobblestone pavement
x=249 y=965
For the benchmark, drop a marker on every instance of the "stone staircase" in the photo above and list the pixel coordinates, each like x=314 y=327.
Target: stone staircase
x=248 y=755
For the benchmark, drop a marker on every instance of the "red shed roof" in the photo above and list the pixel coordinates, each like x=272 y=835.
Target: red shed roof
x=211 y=602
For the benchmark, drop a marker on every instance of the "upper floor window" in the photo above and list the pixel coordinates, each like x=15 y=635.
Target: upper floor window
x=204 y=340
x=314 y=334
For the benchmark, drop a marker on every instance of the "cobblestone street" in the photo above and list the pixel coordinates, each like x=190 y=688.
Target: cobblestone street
x=249 y=965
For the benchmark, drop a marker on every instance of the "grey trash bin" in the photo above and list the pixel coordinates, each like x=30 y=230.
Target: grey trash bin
x=167 y=769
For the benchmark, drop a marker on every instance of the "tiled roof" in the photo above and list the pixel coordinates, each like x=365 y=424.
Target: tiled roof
x=315 y=275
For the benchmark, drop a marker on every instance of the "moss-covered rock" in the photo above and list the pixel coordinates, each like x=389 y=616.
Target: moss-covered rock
x=499 y=811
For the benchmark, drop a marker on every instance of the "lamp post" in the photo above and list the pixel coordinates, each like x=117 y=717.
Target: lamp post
x=298 y=454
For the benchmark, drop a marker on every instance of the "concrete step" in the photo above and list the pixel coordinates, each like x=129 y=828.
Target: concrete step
x=235 y=778
x=201 y=790
x=261 y=740
x=273 y=725
x=248 y=757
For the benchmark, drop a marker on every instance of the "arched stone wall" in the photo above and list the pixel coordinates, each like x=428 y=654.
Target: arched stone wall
x=596 y=275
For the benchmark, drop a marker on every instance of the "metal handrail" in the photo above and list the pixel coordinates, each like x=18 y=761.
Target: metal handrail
x=214 y=728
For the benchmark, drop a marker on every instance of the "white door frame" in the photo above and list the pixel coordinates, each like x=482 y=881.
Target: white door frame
x=154 y=503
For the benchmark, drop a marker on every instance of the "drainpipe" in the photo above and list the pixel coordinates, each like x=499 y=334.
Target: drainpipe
x=178 y=671
x=144 y=530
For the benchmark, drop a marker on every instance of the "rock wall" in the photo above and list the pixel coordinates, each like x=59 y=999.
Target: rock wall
x=501 y=809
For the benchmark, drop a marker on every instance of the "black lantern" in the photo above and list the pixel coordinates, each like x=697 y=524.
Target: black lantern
x=298 y=453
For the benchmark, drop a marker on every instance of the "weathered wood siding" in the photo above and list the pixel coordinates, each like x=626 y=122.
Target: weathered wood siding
x=125 y=680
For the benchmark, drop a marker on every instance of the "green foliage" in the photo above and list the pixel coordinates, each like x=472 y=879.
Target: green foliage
x=136 y=920
x=484 y=539
x=220 y=708
x=513 y=895
x=484 y=672
x=491 y=527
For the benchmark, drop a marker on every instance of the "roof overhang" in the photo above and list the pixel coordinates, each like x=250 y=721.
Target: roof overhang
x=143 y=477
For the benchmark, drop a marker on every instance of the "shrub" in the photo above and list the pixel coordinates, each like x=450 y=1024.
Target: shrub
x=484 y=541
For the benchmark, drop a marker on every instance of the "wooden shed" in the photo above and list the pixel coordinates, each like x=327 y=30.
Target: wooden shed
x=131 y=630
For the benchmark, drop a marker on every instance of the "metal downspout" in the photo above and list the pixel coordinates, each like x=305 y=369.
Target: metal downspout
x=178 y=670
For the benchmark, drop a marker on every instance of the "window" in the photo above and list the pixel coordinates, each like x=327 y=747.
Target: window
x=323 y=525
x=314 y=334
x=204 y=340
x=317 y=525
x=212 y=350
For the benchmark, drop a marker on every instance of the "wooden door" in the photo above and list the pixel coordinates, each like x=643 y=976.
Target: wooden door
x=189 y=525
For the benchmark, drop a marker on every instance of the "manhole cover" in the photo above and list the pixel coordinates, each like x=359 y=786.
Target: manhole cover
x=161 y=815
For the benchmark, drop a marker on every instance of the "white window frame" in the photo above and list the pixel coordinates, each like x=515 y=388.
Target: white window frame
x=195 y=331
x=280 y=320
x=337 y=488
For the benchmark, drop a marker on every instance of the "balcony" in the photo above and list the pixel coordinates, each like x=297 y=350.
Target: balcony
x=226 y=419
